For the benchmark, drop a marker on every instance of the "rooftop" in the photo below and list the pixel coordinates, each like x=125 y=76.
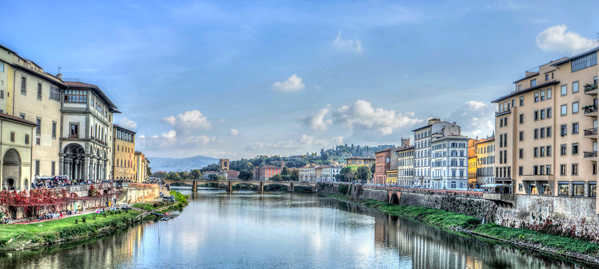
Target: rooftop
x=96 y=89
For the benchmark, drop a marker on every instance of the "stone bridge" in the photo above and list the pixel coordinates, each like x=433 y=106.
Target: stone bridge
x=230 y=183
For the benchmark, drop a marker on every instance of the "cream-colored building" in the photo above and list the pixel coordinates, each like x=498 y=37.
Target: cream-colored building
x=124 y=153
x=16 y=145
x=546 y=130
x=307 y=173
x=485 y=162
x=405 y=166
x=28 y=92
x=141 y=167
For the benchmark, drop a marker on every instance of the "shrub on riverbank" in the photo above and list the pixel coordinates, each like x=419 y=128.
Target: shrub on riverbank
x=180 y=197
x=15 y=235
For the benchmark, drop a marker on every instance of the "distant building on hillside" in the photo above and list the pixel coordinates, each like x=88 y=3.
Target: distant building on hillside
x=266 y=172
x=360 y=161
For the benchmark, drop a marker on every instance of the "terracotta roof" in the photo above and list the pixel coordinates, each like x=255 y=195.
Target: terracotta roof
x=96 y=89
x=17 y=119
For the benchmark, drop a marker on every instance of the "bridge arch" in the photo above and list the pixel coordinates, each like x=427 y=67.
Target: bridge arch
x=394 y=199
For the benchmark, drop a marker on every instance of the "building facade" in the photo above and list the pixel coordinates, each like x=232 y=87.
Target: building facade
x=422 y=148
x=86 y=132
x=383 y=164
x=485 y=162
x=359 y=161
x=266 y=172
x=449 y=161
x=405 y=166
x=141 y=167
x=546 y=130
x=124 y=153
x=307 y=174
x=329 y=173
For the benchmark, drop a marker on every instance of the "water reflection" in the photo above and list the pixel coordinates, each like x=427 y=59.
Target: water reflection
x=245 y=229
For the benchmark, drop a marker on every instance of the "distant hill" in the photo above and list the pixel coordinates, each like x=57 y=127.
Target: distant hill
x=176 y=165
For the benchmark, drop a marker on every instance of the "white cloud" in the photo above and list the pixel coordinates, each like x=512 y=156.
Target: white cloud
x=475 y=118
x=362 y=116
x=337 y=140
x=347 y=44
x=292 y=84
x=234 y=132
x=302 y=143
x=189 y=121
x=317 y=121
x=557 y=39
x=127 y=123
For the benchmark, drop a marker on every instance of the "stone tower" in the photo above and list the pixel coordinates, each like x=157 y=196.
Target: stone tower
x=224 y=164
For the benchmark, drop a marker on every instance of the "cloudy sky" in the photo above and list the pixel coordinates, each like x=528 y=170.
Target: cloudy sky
x=241 y=78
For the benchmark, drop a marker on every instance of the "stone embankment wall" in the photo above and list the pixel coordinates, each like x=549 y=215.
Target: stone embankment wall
x=568 y=216
x=139 y=193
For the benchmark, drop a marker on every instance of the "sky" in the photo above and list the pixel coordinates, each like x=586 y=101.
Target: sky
x=233 y=79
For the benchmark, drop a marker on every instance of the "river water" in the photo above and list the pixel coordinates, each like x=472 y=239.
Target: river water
x=280 y=230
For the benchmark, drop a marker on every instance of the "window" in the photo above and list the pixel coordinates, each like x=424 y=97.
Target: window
x=521 y=100
x=536 y=152
x=574 y=169
x=563 y=189
x=536 y=132
x=54 y=124
x=584 y=62
x=519 y=87
x=521 y=135
x=592 y=189
x=575 y=87
x=563 y=149
x=535 y=170
x=38 y=129
x=520 y=153
x=546 y=77
x=533 y=83
x=542 y=132
x=564 y=90
x=578 y=189
x=75 y=96
x=543 y=95
x=575 y=128
x=536 y=97
x=54 y=93
x=521 y=118
x=548 y=151
x=548 y=169
x=26 y=139
x=574 y=148
x=22 y=115
x=74 y=133
x=53 y=168
x=536 y=115
x=520 y=170
x=542 y=114
x=548 y=131
x=39 y=91
x=23 y=85
x=564 y=130
x=564 y=110
x=12 y=137
x=37 y=167
x=548 y=112
x=548 y=94
x=575 y=107
x=562 y=169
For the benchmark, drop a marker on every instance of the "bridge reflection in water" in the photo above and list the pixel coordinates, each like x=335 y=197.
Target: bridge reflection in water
x=279 y=230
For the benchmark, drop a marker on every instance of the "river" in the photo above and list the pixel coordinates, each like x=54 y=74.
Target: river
x=280 y=230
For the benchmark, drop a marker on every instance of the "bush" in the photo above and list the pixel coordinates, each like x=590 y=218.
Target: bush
x=83 y=218
x=76 y=221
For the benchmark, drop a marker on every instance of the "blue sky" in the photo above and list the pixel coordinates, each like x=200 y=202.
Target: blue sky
x=241 y=78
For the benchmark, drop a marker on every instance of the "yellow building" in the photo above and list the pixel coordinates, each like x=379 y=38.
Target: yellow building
x=359 y=161
x=124 y=153
x=391 y=178
x=485 y=154
x=141 y=167
x=472 y=162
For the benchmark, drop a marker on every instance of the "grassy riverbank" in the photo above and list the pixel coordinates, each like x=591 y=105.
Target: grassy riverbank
x=18 y=236
x=552 y=244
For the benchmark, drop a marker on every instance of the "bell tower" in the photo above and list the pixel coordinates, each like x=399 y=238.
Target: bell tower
x=224 y=164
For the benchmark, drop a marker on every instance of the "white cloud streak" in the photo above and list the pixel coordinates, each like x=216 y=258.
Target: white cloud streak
x=292 y=84
x=557 y=38
x=347 y=44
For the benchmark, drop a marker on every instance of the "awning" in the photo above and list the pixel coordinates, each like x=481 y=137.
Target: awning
x=495 y=185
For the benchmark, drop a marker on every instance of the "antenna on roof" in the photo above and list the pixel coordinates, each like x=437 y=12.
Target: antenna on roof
x=59 y=70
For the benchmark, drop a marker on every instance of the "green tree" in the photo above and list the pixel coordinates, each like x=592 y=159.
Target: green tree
x=295 y=175
x=196 y=174
x=245 y=175
x=285 y=171
x=173 y=176
x=276 y=178
x=213 y=177
x=373 y=168
x=149 y=171
x=185 y=175
x=160 y=174
x=364 y=173
x=348 y=173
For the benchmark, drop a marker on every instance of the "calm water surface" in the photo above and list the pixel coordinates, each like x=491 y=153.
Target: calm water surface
x=280 y=230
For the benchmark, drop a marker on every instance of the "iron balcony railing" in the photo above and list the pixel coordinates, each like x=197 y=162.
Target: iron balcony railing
x=590 y=132
x=590 y=154
x=501 y=113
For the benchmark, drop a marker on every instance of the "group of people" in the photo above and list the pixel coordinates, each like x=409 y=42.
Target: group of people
x=58 y=183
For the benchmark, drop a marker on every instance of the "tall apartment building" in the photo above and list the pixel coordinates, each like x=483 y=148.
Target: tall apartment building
x=449 y=160
x=382 y=165
x=485 y=161
x=141 y=167
x=124 y=153
x=307 y=173
x=422 y=148
x=86 y=132
x=546 y=130
x=405 y=166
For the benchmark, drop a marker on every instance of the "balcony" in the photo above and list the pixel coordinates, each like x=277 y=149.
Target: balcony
x=501 y=113
x=590 y=154
x=590 y=110
x=590 y=89
x=591 y=133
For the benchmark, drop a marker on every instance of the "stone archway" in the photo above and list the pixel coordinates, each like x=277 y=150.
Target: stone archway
x=394 y=199
x=11 y=170
x=74 y=161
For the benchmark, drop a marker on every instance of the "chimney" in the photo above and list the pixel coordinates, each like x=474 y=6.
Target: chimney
x=59 y=76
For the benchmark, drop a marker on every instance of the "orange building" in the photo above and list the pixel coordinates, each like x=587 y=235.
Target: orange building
x=383 y=164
